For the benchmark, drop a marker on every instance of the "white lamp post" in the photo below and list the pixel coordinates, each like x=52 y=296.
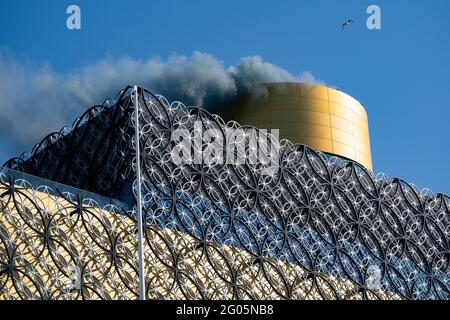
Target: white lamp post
x=139 y=218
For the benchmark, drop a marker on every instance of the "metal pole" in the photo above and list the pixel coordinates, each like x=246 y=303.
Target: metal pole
x=142 y=293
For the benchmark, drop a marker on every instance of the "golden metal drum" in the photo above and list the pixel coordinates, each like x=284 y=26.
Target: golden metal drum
x=325 y=119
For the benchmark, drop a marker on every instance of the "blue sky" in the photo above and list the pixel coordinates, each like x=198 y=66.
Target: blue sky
x=400 y=73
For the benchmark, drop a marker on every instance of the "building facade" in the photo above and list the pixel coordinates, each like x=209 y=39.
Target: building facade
x=311 y=227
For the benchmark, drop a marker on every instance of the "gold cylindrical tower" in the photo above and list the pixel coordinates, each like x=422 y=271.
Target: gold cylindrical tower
x=325 y=119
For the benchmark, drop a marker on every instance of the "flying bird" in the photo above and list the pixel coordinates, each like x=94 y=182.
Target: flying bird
x=348 y=22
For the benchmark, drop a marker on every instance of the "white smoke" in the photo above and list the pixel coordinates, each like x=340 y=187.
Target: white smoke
x=36 y=100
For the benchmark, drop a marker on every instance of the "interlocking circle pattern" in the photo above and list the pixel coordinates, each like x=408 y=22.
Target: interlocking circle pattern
x=310 y=226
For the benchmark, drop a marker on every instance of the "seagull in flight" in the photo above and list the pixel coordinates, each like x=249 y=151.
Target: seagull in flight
x=348 y=22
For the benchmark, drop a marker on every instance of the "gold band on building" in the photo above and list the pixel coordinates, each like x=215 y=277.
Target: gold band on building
x=325 y=119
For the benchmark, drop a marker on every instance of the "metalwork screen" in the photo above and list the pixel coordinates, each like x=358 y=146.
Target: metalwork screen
x=331 y=218
x=309 y=227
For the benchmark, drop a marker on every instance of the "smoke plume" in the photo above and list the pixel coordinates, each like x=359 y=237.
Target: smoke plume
x=36 y=100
